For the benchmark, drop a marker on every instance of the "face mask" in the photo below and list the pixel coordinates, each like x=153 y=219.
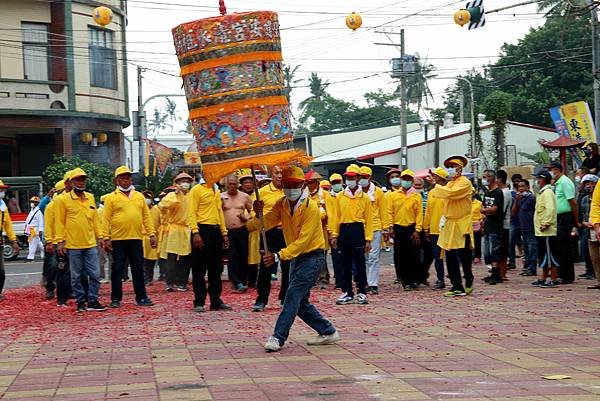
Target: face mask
x=148 y=202
x=2 y=194
x=420 y=190
x=79 y=189
x=552 y=174
x=577 y=179
x=292 y=194
x=364 y=182
x=351 y=184
x=32 y=205
x=337 y=188
x=405 y=184
x=395 y=181
x=185 y=185
x=128 y=189
x=451 y=172
x=485 y=183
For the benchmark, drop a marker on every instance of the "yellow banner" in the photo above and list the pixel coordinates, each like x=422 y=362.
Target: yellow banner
x=578 y=120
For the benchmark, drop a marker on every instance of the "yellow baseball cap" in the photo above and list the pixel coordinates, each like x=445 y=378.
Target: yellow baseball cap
x=366 y=171
x=335 y=177
x=352 y=169
x=77 y=172
x=3 y=185
x=59 y=186
x=440 y=172
x=67 y=175
x=325 y=184
x=293 y=174
x=407 y=173
x=122 y=170
x=456 y=159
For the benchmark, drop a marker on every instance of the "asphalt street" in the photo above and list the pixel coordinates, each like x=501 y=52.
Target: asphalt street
x=22 y=274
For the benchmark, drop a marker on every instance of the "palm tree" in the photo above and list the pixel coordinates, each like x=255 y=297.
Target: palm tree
x=417 y=87
x=158 y=122
x=562 y=7
x=171 y=112
x=289 y=79
x=188 y=128
x=311 y=104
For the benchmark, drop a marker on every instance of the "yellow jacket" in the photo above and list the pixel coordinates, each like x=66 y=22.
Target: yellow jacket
x=269 y=195
x=149 y=252
x=6 y=222
x=405 y=209
x=379 y=208
x=205 y=208
x=326 y=205
x=49 y=226
x=126 y=217
x=433 y=213
x=302 y=230
x=352 y=209
x=457 y=211
x=176 y=238
x=76 y=221
x=253 y=242
x=476 y=215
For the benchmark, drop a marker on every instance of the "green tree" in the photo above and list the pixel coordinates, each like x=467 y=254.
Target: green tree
x=417 y=86
x=498 y=107
x=100 y=178
x=562 y=7
x=289 y=80
x=311 y=105
x=159 y=121
x=171 y=113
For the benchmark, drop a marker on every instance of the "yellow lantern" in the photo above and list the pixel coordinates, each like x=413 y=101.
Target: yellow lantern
x=86 y=137
x=462 y=17
x=102 y=15
x=353 y=21
x=102 y=137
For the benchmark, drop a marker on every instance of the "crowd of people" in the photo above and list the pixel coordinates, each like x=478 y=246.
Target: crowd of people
x=445 y=220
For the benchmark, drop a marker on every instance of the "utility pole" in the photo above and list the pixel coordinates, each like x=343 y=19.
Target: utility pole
x=399 y=71
x=461 y=99
x=596 y=69
x=141 y=121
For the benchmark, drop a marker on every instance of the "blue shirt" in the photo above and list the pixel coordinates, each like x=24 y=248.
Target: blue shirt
x=514 y=220
x=526 y=210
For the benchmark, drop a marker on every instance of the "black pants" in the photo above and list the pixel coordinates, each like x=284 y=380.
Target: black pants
x=351 y=244
x=477 y=246
x=177 y=269
x=275 y=242
x=426 y=253
x=406 y=255
x=208 y=260
x=149 y=270
x=63 y=280
x=566 y=269
x=324 y=271
x=237 y=255
x=2 y=272
x=337 y=261
x=49 y=270
x=252 y=275
x=127 y=250
x=454 y=259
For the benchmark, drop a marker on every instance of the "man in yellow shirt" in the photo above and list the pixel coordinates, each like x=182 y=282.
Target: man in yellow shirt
x=209 y=239
x=351 y=228
x=405 y=225
x=5 y=228
x=337 y=187
x=55 y=279
x=77 y=233
x=126 y=219
x=151 y=253
x=379 y=210
x=431 y=225
x=457 y=231
x=270 y=194
x=325 y=202
x=301 y=223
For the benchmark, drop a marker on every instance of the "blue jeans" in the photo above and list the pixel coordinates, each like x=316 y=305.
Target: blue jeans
x=514 y=240
x=304 y=271
x=85 y=261
x=492 y=248
x=530 y=250
x=437 y=261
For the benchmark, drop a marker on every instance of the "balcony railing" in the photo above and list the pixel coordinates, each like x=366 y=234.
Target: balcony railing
x=33 y=95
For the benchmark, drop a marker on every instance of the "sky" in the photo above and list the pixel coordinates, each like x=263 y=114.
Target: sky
x=314 y=36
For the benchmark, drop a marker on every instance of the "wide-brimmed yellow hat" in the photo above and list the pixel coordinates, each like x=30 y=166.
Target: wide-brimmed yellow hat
x=3 y=185
x=352 y=170
x=312 y=175
x=182 y=176
x=67 y=175
x=77 y=172
x=335 y=177
x=292 y=174
x=440 y=172
x=122 y=170
x=366 y=171
x=407 y=173
x=60 y=185
x=35 y=199
x=456 y=159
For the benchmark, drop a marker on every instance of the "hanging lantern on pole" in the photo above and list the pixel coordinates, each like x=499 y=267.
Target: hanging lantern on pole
x=102 y=15
x=354 y=21
x=462 y=17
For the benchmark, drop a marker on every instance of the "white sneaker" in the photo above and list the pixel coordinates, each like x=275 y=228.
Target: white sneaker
x=344 y=299
x=362 y=299
x=325 y=339
x=272 y=345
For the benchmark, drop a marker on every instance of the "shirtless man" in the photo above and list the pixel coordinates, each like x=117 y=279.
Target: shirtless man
x=236 y=206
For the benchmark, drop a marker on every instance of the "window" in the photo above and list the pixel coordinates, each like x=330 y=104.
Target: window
x=103 y=59
x=35 y=51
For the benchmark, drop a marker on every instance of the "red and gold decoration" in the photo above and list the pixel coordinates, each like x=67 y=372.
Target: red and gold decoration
x=102 y=15
x=233 y=80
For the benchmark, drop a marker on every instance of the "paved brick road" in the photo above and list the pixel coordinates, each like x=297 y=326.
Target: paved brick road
x=494 y=345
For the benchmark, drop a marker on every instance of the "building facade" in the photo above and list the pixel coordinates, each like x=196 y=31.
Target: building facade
x=63 y=84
